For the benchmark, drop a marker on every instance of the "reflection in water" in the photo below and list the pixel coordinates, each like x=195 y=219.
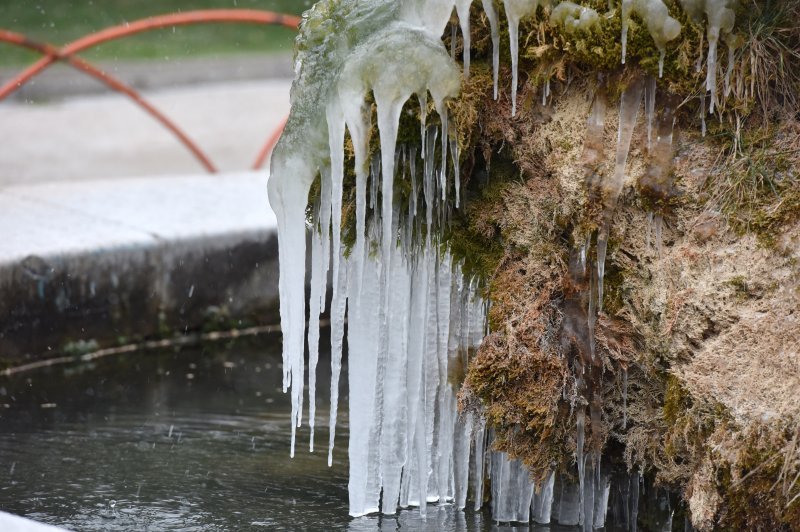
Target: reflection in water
x=189 y=439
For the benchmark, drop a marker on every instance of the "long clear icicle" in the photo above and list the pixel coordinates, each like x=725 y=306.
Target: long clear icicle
x=494 y=27
x=337 y=333
x=462 y=8
x=319 y=277
x=515 y=10
x=628 y=110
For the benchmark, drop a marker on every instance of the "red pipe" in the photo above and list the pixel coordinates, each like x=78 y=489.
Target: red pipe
x=270 y=145
x=66 y=53
x=113 y=83
x=250 y=16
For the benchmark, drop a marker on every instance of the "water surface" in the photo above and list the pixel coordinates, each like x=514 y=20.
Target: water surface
x=185 y=439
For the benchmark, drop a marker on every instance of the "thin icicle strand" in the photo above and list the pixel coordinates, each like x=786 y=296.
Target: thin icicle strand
x=494 y=27
x=462 y=8
x=628 y=110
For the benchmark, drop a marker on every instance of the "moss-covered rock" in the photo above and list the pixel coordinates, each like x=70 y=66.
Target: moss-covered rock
x=695 y=356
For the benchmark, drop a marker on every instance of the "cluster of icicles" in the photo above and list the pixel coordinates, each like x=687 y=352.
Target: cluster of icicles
x=413 y=319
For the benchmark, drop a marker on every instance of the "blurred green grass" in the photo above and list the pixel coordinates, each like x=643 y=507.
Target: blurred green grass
x=61 y=21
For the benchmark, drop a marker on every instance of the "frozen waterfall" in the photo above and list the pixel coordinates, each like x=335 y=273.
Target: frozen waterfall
x=413 y=318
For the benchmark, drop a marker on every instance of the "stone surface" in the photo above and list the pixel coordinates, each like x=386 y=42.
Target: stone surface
x=107 y=136
x=119 y=260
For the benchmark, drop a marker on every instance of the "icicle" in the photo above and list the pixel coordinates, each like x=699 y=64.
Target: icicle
x=698 y=64
x=627 y=7
x=336 y=129
x=512 y=489
x=389 y=108
x=462 y=8
x=363 y=343
x=634 y=502
x=394 y=443
x=430 y=380
x=337 y=332
x=579 y=457
x=655 y=15
x=703 y=115
x=453 y=36
x=657 y=181
x=429 y=182
x=650 y=106
x=602 y=490
x=357 y=118
x=720 y=16
x=456 y=169
x=732 y=44
x=628 y=109
x=414 y=186
x=461 y=453
x=288 y=199
x=574 y=17
x=374 y=177
x=588 y=494
x=443 y=116
x=423 y=119
x=447 y=407
x=494 y=26
x=542 y=504
x=569 y=504
x=625 y=398
x=415 y=436
x=711 y=66
x=406 y=442
x=479 y=470
x=319 y=277
x=547 y=88
x=592 y=156
x=515 y=10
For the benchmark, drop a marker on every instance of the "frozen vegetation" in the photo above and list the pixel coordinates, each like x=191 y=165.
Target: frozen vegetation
x=382 y=216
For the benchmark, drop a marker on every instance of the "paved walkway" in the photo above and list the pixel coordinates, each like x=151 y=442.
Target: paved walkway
x=56 y=219
x=106 y=136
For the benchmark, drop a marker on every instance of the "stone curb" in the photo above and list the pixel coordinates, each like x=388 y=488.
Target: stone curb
x=96 y=264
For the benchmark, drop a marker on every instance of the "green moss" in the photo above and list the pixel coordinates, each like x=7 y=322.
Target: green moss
x=755 y=498
x=676 y=400
x=768 y=220
x=757 y=190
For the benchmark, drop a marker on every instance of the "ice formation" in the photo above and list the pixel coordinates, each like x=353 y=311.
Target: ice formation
x=720 y=17
x=574 y=17
x=494 y=28
x=515 y=10
x=662 y=27
x=413 y=318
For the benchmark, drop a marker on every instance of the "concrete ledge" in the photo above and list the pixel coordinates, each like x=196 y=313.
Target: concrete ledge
x=99 y=263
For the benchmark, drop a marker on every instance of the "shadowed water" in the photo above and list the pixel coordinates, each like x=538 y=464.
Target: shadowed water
x=190 y=439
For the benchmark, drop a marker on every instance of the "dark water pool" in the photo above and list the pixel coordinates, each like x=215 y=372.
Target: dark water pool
x=186 y=439
x=193 y=438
